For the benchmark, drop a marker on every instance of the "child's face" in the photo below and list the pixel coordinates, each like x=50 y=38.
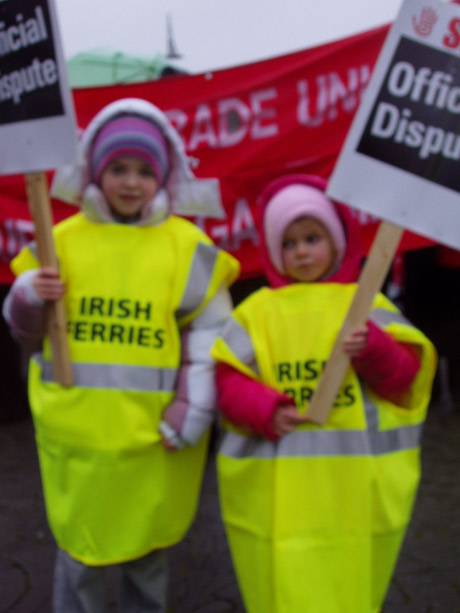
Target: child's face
x=128 y=185
x=308 y=251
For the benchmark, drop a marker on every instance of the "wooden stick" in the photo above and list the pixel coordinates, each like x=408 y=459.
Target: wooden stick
x=40 y=210
x=370 y=282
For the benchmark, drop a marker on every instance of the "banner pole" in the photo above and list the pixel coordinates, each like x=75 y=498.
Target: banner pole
x=370 y=282
x=40 y=210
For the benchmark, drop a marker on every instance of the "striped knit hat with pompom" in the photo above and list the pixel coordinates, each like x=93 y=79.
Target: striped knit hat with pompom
x=130 y=136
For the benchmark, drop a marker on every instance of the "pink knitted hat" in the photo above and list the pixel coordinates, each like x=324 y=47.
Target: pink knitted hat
x=291 y=203
x=130 y=136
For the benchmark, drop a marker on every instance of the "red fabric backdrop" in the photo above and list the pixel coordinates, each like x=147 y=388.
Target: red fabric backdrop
x=246 y=126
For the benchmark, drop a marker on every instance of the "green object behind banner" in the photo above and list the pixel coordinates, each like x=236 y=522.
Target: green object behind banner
x=107 y=67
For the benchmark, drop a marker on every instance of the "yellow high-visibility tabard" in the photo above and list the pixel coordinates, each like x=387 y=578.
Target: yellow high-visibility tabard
x=112 y=492
x=315 y=521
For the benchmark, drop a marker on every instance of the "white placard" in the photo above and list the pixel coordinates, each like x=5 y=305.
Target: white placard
x=37 y=121
x=401 y=159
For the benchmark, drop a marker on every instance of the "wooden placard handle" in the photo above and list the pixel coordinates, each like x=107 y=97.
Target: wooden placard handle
x=370 y=282
x=40 y=210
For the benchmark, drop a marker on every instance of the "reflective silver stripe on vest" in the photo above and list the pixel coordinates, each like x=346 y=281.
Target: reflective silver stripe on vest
x=382 y=318
x=197 y=284
x=325 y=443
x=103 y=376
x=389 y=441
x=240 y=343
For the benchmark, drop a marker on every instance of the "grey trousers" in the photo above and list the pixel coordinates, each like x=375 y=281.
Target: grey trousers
x=82 y=589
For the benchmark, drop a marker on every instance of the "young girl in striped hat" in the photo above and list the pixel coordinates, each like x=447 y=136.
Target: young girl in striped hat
x=122 y=451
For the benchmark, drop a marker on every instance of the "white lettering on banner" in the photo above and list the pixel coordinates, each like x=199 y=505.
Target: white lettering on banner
x=261 y=113
x=234 y=117
x=305 y=115
x=220 y=235
x=235 y=121
x=203 y=130
x=239 y=228
x=178 y=118
x=243 y=227
x=323 y=99
x=363 y=218
x=232 y=120
x=14 y=235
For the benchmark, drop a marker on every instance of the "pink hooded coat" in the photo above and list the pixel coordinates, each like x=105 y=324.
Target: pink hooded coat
x=387 y=366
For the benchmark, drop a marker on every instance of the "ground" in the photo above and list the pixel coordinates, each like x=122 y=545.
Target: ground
x=426 y=579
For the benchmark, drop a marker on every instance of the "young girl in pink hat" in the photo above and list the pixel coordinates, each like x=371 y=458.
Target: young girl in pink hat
x=315 y=515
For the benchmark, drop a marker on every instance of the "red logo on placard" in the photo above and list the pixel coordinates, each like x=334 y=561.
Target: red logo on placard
x=423 y=25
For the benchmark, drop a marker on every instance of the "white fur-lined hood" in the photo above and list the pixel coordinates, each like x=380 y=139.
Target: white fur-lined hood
x=187 y=194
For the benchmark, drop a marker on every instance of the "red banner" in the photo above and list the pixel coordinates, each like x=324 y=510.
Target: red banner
x=246 y=126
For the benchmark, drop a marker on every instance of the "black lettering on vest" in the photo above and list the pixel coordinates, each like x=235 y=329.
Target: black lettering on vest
x=346 y=397
x=291 y=392
x=297 y=370
x=123 y=308
x=81 y=330
x=159 y=340
x=284 y=372
x=349 y=394
x=110 y=307
x=145 y=309
x=131 y=335
x=116 y=333
x=311 y=370
x=306 y=394
x=96 y=306
x=143 y=337
x=82 y=306
x=98 y=332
